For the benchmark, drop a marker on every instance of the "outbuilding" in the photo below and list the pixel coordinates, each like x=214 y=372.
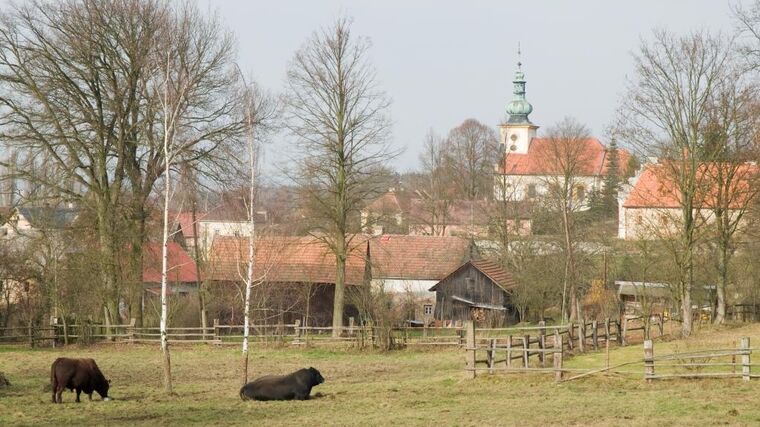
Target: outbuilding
x=478 y=290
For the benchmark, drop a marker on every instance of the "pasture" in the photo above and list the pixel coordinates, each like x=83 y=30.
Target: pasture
x=408 y=387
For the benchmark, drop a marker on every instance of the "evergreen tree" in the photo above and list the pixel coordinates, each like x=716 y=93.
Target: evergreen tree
x=611 y=181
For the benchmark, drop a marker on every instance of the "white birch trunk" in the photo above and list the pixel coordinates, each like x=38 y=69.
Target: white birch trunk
x=251 y=238
x=164 y=250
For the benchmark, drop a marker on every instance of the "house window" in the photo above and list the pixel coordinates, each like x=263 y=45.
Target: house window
x=580 y=193
x=532 y=190
x=428 y=309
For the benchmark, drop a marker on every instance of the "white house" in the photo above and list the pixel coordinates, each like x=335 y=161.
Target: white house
x=652 y=208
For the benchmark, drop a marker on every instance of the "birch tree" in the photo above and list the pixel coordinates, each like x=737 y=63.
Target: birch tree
x=338 y=115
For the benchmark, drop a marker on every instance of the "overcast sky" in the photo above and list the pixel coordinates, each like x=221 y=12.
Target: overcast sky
x=442 y=62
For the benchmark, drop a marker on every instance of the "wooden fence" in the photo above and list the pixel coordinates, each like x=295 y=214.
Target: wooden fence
x=553 y=344
x=704 y=363
x=595 y=334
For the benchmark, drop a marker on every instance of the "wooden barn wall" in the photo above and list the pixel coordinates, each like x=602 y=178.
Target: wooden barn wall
x=479 y=289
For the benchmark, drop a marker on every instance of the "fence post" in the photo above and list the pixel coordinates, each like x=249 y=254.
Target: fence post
x=648 y=360
x=470 y=350
x=131 y=330
x=297 y=331
x=746 y=355
x=557 y=356
x=216 y=330
x=509 y=351
x=491 y=354
x=557 y=338
x=595 y=334
x=542 y=342
x=30 y=331
x=54 y=330
x=581 y=335
x=526 y=353
x=624 y=320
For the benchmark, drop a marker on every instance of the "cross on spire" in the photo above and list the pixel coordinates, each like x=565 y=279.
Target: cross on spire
x=519 y=61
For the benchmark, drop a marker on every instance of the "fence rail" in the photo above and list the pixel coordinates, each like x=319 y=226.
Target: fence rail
x=575 y=336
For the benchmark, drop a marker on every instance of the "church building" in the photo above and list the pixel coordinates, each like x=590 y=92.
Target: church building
x=530 y=164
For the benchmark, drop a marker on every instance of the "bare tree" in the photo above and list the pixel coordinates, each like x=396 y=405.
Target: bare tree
x=567 y=156
x=471 y=151
x=665 y=113
x=78 y=82
x=339 y=116
x=434 y=187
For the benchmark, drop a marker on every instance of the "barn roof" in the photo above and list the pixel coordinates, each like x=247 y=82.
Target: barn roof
x=181 y=268
x=285 y=259
x=416 y=257
x=491 y=269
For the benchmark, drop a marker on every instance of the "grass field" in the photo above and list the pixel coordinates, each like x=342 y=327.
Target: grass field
x=399 y=388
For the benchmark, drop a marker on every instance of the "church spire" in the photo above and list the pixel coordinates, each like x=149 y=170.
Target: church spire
x=519 y=108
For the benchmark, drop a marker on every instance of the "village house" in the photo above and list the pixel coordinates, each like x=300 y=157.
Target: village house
x=479 y=290
x=528 y=165
x=407 y=266
x=29 y=222
x=182 y=273
x=651 y=207
x=403 y=212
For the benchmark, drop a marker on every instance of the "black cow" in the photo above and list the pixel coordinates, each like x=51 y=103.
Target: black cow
x=283 y=387
x=82 y=375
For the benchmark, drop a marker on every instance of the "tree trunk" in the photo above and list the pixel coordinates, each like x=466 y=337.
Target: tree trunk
x=196 y=251
x=720 y=288
x=340 y=283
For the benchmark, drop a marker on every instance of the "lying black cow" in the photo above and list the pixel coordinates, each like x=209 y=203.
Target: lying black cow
x=82 y=375
x=283 y=387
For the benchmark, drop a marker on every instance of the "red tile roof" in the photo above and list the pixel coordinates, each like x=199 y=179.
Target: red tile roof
x=416 y=257
x=543 y=159
x=655 y=187
x=181 y=268
x=283 y=259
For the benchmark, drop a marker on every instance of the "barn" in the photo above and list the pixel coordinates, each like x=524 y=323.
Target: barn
x=478 y=290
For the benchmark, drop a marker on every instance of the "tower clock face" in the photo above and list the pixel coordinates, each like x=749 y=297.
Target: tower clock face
x=513 y=137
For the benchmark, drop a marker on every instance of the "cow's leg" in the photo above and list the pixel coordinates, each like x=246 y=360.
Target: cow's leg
x=89 y=396
x=55 y=389
x=79 y=391
x=59 y=393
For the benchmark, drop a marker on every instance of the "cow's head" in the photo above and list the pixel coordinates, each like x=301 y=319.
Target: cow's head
x=316 y=376
x=102 y=389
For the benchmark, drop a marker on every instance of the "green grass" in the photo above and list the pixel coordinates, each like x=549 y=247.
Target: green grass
x=398 y=388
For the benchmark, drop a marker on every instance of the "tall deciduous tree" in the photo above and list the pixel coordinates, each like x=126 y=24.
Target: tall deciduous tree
x=339 y=116
x=434 y=186
x=567 y=156
x=80 y=88
x=471 y=150
x=665 y=113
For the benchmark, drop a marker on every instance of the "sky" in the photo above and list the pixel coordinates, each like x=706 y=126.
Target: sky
x=442 y=62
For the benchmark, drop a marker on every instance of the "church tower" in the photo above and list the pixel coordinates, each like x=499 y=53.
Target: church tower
x=517 y=131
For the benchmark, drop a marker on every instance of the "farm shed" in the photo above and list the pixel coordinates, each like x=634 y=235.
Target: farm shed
x=478 y=290
x=294 y=278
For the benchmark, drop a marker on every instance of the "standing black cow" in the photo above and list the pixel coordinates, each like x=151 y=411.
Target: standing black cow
x=82 y=375
x=283 y=387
